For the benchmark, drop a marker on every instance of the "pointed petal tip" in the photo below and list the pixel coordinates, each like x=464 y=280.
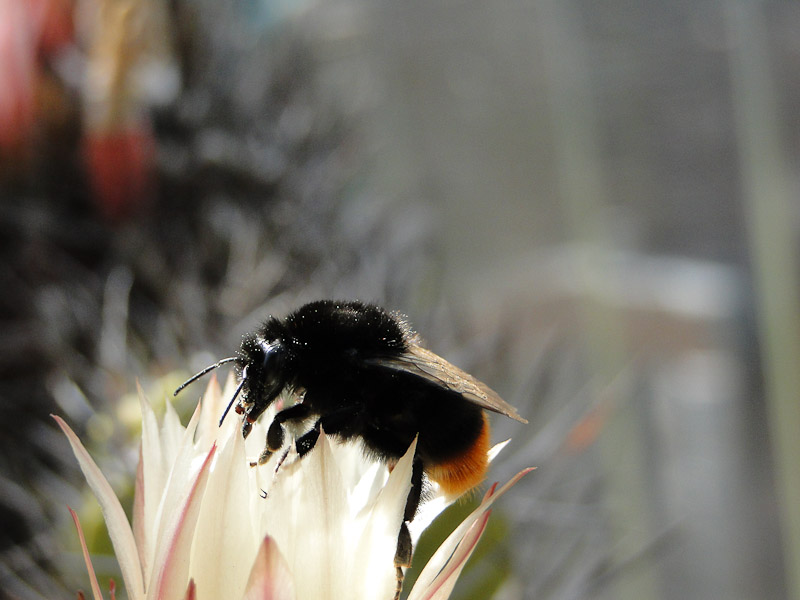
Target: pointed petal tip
x=438 y=577
x=270 y=577
x=493 y=493
x=61 y=422
x=119 y=529
x=213 y=388
x=496 y=449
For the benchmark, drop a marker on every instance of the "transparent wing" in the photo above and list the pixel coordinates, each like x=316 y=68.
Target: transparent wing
x=424 y=363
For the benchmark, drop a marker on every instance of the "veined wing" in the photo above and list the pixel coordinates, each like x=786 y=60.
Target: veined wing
x=432 y=367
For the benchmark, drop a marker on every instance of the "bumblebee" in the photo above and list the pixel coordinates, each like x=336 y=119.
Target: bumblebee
x=361 y=374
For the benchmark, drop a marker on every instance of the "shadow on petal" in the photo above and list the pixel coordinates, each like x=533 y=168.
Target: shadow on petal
x=191 y=591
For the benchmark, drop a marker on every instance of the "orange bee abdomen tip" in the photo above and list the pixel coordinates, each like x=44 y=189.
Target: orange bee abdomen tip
x=466 y=471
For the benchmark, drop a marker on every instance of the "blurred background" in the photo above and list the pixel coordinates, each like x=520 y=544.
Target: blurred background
x=591 y=207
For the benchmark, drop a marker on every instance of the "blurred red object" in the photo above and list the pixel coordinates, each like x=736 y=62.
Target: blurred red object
x=120 y=170
x=124 y=39
x=31 y=31
x=56 y=24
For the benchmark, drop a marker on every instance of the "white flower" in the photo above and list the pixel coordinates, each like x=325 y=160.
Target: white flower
x=207 y=525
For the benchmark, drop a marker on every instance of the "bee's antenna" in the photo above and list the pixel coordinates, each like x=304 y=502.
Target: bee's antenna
x=236 y=393
x=197 y=376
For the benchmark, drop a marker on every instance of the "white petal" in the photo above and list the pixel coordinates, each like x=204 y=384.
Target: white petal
x=171 y=432
x=270 y=578
x=225 y=542
x=373 y=574
x=208 y=425
x=117 y=523
x=368 y=483
x=173 y=561
x=154 y=476
x=496 y=449
x=362 y=477
x=140 y=533
x=304 y=515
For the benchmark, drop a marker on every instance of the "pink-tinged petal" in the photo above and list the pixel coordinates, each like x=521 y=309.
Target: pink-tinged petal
x=270 y=578
x=442 y=586
x=89 y=567
x=119 y=530
x=173 y=574
x=439 y=501
x=112 y=589
x=440 y=574
x=191 y=591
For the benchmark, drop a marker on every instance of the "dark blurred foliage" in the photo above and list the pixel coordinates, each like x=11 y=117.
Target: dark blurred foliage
x=256 y=164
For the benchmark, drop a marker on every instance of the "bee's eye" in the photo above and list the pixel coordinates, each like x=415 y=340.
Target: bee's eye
x=272 y=361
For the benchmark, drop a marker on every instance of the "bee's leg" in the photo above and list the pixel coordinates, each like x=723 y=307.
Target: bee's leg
x=415 y=493
x=405 y=550
x=275 y=433
x=337 y=422
x=402 y=558
x=306 y=442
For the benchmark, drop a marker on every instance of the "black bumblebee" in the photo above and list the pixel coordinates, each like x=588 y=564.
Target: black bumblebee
x=361 y=373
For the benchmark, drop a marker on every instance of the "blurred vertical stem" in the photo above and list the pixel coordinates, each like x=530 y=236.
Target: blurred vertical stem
x=582 y=190
x=773 y=246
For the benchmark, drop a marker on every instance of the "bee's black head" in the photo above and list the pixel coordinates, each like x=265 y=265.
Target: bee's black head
x=263 y=364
